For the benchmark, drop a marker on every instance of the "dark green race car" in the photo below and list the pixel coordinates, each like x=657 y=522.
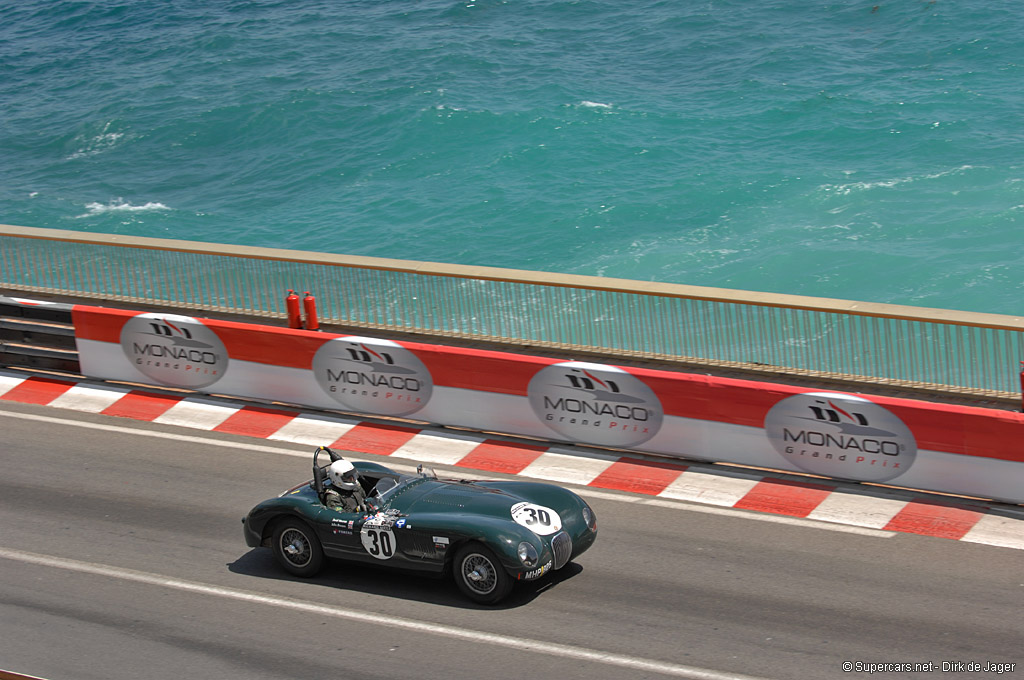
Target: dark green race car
x=490 y=534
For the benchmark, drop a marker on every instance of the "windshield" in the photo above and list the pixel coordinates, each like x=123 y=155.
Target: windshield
x=383 y=486
x=387 y=488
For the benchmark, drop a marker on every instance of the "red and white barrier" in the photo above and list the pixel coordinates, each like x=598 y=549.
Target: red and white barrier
x=923 y=445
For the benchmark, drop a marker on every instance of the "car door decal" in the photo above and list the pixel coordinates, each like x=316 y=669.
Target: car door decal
x=379 y=542
x=378 y=538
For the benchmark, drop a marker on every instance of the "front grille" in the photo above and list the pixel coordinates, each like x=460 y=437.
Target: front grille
x=561 y=546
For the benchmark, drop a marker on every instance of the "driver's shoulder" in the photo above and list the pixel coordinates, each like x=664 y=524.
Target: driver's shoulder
x=333 y=499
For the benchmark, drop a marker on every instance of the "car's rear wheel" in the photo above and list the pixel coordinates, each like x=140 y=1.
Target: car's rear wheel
x=297 y=548
x=479 y=574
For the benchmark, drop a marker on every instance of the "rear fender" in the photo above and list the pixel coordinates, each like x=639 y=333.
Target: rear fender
x=262 y=519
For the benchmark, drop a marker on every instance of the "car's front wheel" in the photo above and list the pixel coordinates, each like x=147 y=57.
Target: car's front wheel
x=479 y=574
x=297 y=548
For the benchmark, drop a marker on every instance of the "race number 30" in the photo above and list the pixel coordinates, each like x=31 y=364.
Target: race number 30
x=538 y=519
x=380 y=543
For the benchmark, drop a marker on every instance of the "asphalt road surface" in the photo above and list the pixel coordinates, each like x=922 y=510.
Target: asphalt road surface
x=121 y=557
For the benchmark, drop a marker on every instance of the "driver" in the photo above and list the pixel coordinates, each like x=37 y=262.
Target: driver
x=345 y=493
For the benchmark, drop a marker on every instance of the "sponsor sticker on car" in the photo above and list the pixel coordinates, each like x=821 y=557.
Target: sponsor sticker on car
x=537 y=573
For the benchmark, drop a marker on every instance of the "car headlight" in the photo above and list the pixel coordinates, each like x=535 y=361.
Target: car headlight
x=528 y=554
x=590 y=518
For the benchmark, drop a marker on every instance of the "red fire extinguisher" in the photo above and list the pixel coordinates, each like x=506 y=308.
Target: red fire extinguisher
x=291 y=305
x=309 y=305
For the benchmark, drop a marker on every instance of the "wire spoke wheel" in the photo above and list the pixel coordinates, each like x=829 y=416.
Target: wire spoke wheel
x=296 y=547
x=479 y=574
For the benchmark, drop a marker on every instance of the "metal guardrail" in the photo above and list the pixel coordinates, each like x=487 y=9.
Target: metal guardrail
x=37 y=336
x=894 y=345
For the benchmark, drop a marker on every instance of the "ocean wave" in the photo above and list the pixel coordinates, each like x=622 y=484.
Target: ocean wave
x=120 y=205
x=90 y=146
x=850 y=187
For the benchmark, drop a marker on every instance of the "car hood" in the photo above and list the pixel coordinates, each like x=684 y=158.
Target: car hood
x=441 y=496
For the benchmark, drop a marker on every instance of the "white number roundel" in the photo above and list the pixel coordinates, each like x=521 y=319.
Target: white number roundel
x=538 y=519
x=378 y=540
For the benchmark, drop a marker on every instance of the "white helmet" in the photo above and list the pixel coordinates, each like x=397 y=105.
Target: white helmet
x=343 y=475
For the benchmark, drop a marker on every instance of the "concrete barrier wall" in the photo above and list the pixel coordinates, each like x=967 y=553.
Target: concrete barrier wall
x=902 y=442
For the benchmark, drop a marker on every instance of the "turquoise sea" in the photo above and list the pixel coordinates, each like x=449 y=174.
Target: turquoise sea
x=859 y=150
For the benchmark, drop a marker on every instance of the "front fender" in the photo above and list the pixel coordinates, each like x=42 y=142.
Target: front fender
x=500 y=535
x=568 y=504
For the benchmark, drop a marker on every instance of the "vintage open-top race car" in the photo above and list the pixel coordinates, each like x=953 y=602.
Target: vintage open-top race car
x=490 y=534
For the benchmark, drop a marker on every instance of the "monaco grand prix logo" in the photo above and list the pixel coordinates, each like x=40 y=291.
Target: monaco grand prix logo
x=173 y=350
x=595 y=404
x=842 y=436
x=372 y=376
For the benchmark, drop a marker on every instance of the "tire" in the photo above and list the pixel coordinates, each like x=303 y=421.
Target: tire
x=296 y=548
x=479 y=574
